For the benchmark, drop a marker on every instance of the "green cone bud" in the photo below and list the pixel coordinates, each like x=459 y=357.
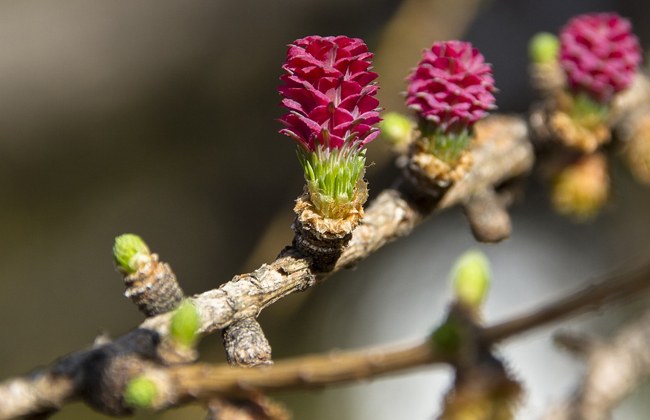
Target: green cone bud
x=396 y=128
x=185 y=324
x=130 y=252
x=140 y=392
x=471 y=275
x=543 y=48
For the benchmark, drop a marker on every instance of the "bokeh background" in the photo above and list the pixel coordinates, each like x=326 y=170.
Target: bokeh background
x=158 y=118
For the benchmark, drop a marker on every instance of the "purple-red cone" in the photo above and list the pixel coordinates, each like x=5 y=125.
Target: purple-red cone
x=599 y=54
x=452 y=86
x=329 y=92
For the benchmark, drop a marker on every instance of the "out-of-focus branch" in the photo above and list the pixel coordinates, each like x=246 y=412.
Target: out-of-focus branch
x=628 y=352
x=257 y=407
x=614 y=369
x=614 y=287
x=180 y=384
x=42 y=393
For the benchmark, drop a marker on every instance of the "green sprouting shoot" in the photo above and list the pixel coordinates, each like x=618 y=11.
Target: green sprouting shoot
x=130 y=252
x=472 y=278
x=185 y=324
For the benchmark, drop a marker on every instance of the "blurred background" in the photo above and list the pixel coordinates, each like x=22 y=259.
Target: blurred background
x=158 y=118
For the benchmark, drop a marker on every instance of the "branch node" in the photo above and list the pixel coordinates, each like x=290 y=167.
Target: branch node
x=153 y=288
x=246 y=345
x=101 y=374
x=487 y=216
x=578 y=344
x=483 y=387
x=319 y=238
x=102 y=338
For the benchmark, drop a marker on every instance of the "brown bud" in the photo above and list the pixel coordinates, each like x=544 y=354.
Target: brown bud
x=582 y=188
x=246 y=345
x=487 y=216
x=547 y=78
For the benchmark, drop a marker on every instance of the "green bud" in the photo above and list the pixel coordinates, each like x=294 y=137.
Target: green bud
x=395 y=127
x=140 y=392
x=185 y=324
x=130 y=252
x=471 y=275
x=446 y=337
x=543 y=48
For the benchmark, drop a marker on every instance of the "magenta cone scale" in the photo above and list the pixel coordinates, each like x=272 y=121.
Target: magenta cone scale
x=599 y=54
x=329 y=92
x=452 y=86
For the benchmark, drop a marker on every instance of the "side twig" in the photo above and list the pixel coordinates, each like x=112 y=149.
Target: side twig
x=179 y=384
x=614 y=370
x=613 y=287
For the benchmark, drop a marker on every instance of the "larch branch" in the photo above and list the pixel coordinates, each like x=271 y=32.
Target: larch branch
x=503 y=152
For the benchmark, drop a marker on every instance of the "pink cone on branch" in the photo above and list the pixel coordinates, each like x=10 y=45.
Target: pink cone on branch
x=451 y=89
x=599 y=54
x=329 y=92
x=329 y=88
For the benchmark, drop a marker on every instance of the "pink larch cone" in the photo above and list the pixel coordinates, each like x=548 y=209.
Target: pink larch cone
x=599 y=54
x=329 y=92
x=452 y=86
